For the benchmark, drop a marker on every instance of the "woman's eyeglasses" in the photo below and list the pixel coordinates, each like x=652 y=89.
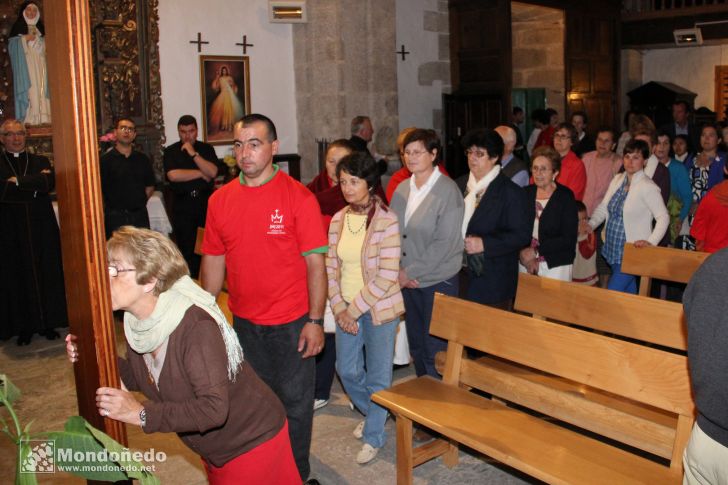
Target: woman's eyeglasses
x=476 y=153
x=540 y=169
x=114 y=271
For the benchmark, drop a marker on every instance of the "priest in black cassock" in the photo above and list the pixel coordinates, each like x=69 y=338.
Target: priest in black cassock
x=32 y=293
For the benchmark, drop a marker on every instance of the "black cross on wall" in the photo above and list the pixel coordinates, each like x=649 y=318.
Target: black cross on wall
x=244 y=44
x=199 y=42
x=402 y=52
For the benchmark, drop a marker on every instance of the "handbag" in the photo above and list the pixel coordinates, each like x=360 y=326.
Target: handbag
x=475 y=263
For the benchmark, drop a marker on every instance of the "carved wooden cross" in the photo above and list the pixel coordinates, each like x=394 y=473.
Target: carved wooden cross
x=402 y=52
x=244 y=44
x=199 y=42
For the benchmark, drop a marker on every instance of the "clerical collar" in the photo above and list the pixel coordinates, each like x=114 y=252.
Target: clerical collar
x=16 y=155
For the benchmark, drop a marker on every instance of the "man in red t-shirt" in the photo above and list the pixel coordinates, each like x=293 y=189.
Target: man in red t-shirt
x=265 y=229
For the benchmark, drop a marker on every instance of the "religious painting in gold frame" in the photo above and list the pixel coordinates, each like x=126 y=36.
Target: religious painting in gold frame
x=225 y=94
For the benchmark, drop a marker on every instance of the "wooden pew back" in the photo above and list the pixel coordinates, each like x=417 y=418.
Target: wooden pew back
x=646 y=319
x=550 y=368
x=639 y=373
x=667 y=264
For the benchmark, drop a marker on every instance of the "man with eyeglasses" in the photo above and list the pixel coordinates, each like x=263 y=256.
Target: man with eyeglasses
x=265 y=230
x=127 y=181
x=32 y=294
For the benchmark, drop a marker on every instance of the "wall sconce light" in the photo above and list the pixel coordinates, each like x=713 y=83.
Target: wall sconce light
x=287 y=11
x=687 y=37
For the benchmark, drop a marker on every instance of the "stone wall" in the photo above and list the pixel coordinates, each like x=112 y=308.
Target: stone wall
x=538 y=51
x=344 y=66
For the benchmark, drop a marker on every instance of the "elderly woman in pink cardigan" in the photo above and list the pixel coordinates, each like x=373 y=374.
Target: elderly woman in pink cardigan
x=362 y=266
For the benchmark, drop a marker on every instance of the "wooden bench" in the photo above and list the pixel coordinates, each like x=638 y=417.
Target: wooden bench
x=530 y=356
x=645 y=319
x=668 y=264
x=222 y=297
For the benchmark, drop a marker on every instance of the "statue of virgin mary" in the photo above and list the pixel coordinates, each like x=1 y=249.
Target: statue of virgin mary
x=26 y=46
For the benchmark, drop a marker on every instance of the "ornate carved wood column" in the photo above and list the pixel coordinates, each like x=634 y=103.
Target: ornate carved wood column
x=75 y=146
x=125 y=38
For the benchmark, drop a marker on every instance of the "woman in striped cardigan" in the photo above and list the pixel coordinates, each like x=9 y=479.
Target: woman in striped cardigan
x=362 y=265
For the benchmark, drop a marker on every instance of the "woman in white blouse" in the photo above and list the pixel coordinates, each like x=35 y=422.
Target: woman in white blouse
x=630 y=205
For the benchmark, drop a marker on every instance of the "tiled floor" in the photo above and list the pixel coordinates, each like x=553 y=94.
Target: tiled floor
x=45 y=378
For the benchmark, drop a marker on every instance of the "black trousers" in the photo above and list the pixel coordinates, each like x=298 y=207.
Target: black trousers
x=187 y=215
x=418 y=303
x=272 y=352
x=326 y=367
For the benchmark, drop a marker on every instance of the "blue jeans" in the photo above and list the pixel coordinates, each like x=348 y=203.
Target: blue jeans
x=626 y=283
x=418 y=304
x=378 y=343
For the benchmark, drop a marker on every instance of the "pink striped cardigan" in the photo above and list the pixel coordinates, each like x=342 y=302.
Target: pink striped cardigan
x=380 y=263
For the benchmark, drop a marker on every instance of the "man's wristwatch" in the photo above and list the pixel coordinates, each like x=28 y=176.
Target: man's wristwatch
x=317 y=321
x=143 y=417
x=195 y=154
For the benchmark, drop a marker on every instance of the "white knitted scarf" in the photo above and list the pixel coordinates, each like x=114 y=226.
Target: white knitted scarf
x=473 y=189
x=146 y=335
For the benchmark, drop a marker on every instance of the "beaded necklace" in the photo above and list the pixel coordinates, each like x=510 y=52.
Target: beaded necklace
x=348 y=224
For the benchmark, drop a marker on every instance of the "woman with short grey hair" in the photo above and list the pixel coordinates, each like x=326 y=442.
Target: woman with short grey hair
x=430 y=212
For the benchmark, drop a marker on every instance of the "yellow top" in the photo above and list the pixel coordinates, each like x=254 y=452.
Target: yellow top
x=349 y=252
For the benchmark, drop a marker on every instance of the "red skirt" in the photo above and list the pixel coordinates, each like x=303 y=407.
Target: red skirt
x=269 y=462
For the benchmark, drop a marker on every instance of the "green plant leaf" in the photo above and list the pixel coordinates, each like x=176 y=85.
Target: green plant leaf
x=134 y=468
x=8 y=391
x=74 y=442
x=24 y=477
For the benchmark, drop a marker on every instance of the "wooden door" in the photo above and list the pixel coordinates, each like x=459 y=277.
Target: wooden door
x=465 y=112
x=481 y=72
x=592 y=66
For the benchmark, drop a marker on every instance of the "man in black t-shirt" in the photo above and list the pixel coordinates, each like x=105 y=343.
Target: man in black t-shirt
x=190 y=166
x=127 y=181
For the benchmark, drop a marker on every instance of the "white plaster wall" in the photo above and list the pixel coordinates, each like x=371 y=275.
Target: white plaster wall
x=223 y=23
x=693 y=68
x=416 y=103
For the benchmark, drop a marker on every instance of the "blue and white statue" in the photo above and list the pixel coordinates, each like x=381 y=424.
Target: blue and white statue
x=26 y=46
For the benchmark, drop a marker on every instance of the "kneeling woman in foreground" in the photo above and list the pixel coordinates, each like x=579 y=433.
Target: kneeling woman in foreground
x=184 y=357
